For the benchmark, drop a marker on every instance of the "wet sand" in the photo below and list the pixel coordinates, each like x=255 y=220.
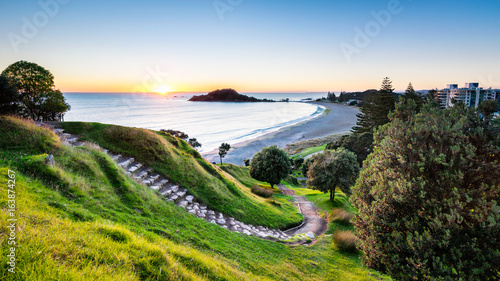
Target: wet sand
x=340 y=120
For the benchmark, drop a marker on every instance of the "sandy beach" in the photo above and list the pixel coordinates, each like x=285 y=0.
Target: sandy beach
x=340 y=120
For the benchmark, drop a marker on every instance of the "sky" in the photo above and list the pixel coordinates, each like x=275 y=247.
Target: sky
x=253 y=45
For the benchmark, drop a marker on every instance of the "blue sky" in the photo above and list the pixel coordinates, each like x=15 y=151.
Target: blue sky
x=253 y=45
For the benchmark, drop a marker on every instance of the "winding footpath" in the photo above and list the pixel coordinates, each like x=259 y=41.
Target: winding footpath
x=312 y=226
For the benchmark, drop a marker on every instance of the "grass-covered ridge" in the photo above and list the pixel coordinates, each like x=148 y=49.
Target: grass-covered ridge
x=176 y=160
x=83 y=219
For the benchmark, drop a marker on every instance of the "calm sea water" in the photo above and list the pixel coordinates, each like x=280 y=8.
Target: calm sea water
x=211 y=123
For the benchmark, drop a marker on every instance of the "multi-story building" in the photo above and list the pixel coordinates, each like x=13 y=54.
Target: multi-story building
x=470 y=95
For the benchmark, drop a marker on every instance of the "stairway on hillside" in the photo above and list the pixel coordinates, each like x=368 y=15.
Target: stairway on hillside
x=176 y=194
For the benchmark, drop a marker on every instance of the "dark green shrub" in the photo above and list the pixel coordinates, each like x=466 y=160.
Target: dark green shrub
x=428 y=199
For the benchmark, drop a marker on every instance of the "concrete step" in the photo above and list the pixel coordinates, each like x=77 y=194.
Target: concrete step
x=116 y=157
x=140 y=175
x=134 y=167
x=126 y=162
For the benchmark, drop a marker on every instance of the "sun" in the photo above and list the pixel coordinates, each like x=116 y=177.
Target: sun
x=163 y=89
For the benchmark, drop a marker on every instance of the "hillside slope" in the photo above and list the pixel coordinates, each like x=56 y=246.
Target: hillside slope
x=84 y=219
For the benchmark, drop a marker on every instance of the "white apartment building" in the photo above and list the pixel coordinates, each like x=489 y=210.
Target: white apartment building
x=470 y=95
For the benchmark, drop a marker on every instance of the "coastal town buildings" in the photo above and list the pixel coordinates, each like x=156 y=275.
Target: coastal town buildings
x=470 y=95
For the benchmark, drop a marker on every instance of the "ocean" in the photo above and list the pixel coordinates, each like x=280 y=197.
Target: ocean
x=212 y=123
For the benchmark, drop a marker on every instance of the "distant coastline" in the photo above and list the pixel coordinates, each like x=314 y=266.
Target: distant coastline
x=226 y=95
x=339 y=120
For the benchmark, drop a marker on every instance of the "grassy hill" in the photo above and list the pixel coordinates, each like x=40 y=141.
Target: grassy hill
x=84 y=219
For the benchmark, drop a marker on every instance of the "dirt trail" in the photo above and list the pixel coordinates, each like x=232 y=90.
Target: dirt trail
x=313 y=222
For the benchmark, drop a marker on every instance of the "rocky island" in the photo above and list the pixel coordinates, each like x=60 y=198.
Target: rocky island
x=227 y=95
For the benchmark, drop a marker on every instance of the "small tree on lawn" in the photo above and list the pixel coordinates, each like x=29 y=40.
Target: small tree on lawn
x=270 y=165
x=332 y=169
x=223 y=150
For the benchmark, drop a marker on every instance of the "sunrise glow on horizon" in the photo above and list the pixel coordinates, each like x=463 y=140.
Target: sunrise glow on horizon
x=256 y=46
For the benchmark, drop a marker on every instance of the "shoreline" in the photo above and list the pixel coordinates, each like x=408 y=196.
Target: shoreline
x=270 y=134
x=339 y=119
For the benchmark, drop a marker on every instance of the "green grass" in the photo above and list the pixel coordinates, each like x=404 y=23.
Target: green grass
x=310 y=150
x=176 y=160
x=83 y=219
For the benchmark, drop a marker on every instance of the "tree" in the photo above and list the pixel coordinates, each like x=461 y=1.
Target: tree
x=331 y=97
x=223 y=150
x=270 y=165
x=360 y=144
x=332 y=169
x=194 y=143
x=487 y=108
x=428 y=198
x=298 y=162
x=376 y=107
x=39 y=98
x=9 y=97
x=410 y=94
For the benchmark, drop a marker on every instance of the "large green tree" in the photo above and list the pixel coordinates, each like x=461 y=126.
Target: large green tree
x=332 y=169
x=376 y=107
x=39 y=100
x=270 y=165
x=428 y=198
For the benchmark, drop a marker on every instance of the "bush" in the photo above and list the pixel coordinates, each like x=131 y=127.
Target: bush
x=345 y=241
x=341 y=216
x=428 y=198
x=262 y=192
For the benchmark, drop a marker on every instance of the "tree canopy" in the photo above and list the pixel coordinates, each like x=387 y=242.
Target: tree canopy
x=428 y=198
x=270 y=165
x=332 y=169
x=38 y=100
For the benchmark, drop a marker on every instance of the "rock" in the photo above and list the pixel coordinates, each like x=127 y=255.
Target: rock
x=189 y=198
x=311 y=235
x=165 y=192
x=183 y=204
x=246 y=232
x=49 y=160
x=221 y=221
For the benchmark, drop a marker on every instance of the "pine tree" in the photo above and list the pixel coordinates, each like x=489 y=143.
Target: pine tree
x=376 y=107
x=410 y=94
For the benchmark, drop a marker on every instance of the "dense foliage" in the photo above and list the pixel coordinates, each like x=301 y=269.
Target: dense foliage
x=270 y=165
x=38 y=100
x=428 y=198
x=360 y=144
x=332 y=169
